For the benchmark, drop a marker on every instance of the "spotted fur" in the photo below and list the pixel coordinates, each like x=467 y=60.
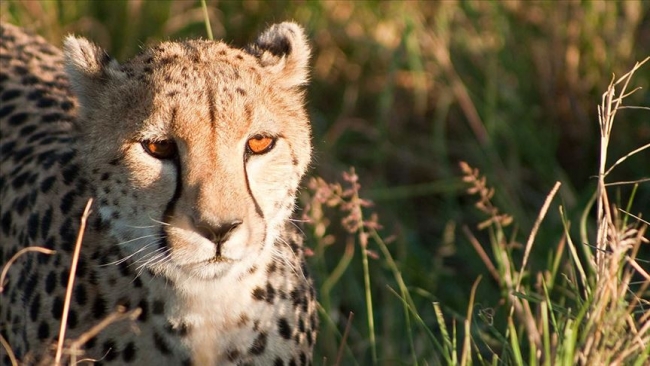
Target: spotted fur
x=200 y=240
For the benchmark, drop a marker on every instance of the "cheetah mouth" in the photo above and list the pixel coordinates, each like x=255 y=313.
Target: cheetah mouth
x=219 y=259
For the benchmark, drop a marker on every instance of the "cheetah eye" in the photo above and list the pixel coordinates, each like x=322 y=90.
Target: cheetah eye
x=259 y=144
x=164 y=149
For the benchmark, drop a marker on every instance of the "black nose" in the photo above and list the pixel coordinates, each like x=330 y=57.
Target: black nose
x=218 y=234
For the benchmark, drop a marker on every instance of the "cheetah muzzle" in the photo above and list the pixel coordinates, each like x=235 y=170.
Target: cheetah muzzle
x=193 y=152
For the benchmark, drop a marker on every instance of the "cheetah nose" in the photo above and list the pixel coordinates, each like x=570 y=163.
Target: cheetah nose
x=220 y=233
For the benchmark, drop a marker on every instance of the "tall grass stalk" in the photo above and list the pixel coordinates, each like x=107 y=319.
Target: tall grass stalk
x=596 y=323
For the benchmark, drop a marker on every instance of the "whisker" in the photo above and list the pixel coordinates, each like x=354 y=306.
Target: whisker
x=139 y=238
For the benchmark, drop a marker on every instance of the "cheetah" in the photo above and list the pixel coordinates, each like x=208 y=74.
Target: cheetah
x=193 y=152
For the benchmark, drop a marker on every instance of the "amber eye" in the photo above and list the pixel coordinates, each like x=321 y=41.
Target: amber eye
x=259 y=144
x=164 y=149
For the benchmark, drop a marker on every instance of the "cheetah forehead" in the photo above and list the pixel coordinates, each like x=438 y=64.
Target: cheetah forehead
x=281 y=54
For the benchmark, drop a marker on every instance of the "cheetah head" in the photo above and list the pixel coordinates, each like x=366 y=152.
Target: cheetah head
x=194 y=149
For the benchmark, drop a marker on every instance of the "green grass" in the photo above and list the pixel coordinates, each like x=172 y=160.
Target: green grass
x=404 y=91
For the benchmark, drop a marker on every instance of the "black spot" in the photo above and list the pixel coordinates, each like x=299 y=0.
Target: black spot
x=57 y=308
x=110 y=350
x=6 y=222
x=35 y=307
x=28 y=130
x=92 y=342
x=144 y=306
x=303 y=359
x=66 y=157
x=82 y=267
x=46 y=102
x=50 y=282
x=68 y=235
x=232 y=355
x=271 y=267
x=183 y=330
x=70 y=173
x=99 y=307
x=124 y=268
x=72 y=319
x=22 y=153
x=32 y=225
x=296 y=296
x=104 y=177
x=20 y=180
x=278 y=362
x=7 y=147
x=47 y=183
x=20 y=70
x=284 y=329
x=158 y=307
x=128 y=353
x=258 y=293
x=259 y=344
x=30 y=80
x=160 y=344
x=32 y=282
x=43 y=331
x=80 y=294
x=18 y=118
x=66 y=105
x=67 y=201
x=270 y=293
x=301 y=325
x=6 y=110
x=35 y=94
x=241 y=91
x=49 y=244
x=10 y=94
x=52 y=117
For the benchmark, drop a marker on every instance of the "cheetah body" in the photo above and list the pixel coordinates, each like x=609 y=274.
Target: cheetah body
x=196 y=235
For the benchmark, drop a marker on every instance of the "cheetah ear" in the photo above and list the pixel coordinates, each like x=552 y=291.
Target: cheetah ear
x=89 y=68
x=283 y=50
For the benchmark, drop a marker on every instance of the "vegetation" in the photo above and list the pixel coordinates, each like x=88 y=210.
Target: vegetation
x=552 y=266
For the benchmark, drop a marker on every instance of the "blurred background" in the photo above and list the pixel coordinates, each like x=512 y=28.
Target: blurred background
x=403 y=91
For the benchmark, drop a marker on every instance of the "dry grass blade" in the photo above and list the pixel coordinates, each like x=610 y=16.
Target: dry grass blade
x=606 y=113
x=68 y=292
x=466 y=353
x=15 y=257
x=10 y=352
x=118 y=315
x=481 y=252
x=622 y=159
x=339 y=355
x=635 y=216
x=533 y=233
x=613 y=334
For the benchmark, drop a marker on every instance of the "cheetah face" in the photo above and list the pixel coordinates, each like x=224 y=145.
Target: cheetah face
x=195 y=149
